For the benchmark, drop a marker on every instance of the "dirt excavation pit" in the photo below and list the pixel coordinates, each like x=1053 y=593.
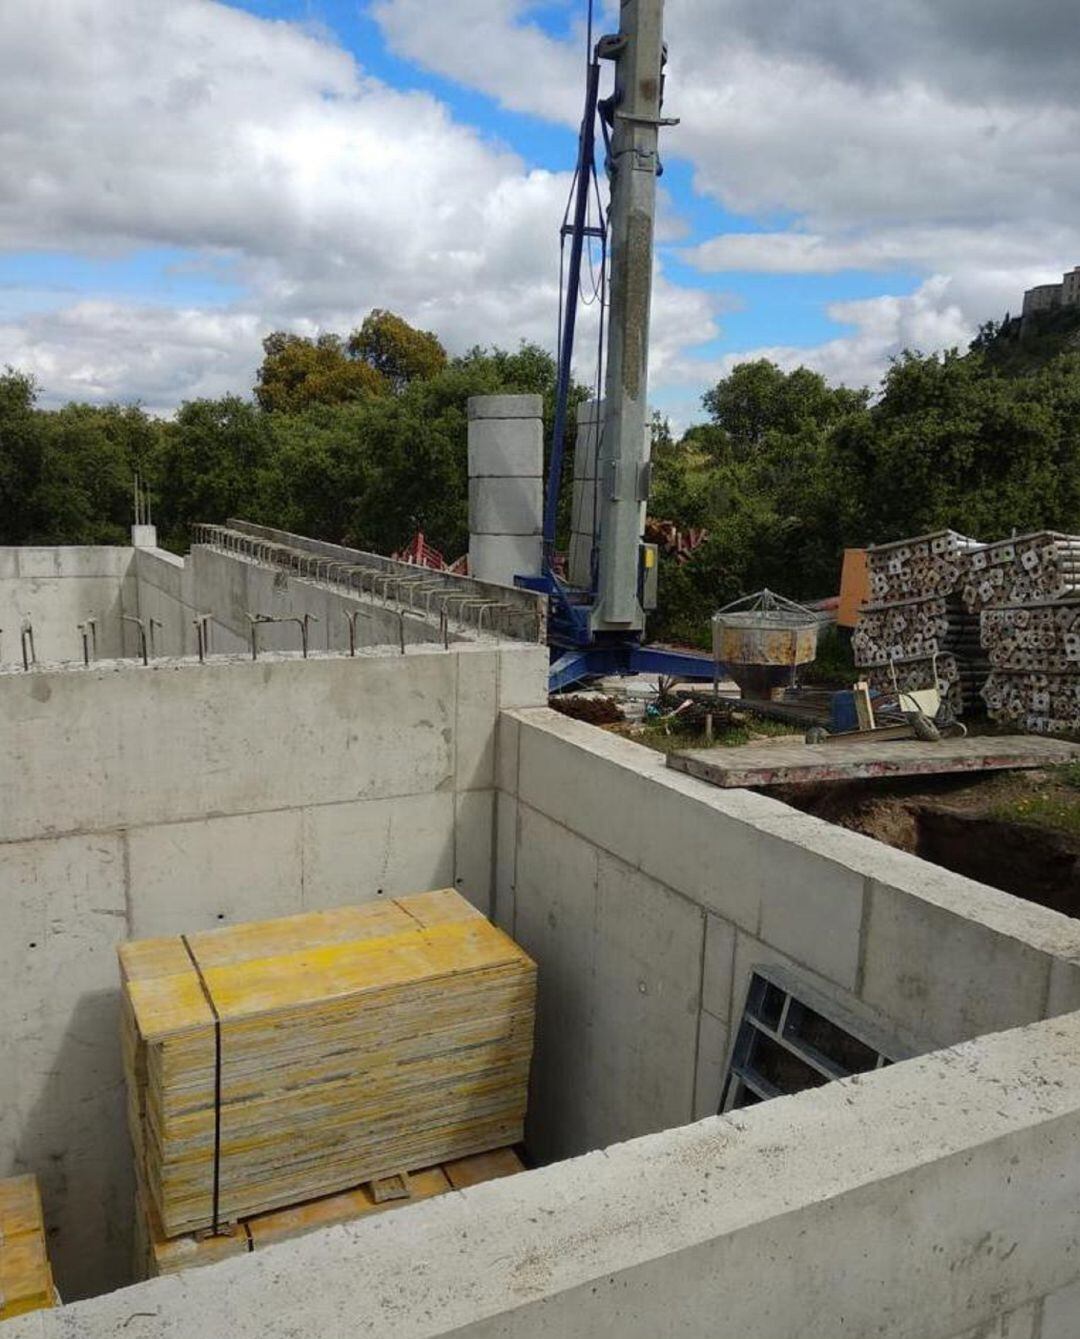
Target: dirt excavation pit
x=1017 y=831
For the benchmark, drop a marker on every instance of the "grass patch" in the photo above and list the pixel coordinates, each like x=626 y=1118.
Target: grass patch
x=1054 y=807
x=1068 y=774
x=672 y=736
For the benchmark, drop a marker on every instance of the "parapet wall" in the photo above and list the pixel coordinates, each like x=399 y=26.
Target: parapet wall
x=227 y=586
x=936 y=1199
x=146 y=801
x=648 y=896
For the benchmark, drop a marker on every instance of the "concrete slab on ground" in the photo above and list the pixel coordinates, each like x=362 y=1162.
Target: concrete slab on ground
x=782 y=762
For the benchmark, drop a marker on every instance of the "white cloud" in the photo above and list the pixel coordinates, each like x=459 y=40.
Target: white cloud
x=103 y=351
x=264 y=149
x=931 y=318
x=938 y=137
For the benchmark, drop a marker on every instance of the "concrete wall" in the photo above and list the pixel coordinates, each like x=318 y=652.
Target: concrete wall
x=647 y=897
x=144 y=801
x=174 y=590
x=57 y=588
x=938 y=1199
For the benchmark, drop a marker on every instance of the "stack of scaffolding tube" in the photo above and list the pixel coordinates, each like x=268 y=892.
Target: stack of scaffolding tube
x=918 y=626
x=1027 y=592
x=1028 y=568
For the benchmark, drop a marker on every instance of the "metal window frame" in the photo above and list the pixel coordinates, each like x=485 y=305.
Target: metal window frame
x=745 y=1086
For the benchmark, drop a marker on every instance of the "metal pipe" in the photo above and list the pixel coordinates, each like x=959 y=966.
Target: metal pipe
x=27 y=638
x=351 y=615
x=129 y=618
x=202 y=635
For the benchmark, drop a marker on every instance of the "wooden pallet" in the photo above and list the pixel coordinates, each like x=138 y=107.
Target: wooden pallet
x=26 y=1282
x=274 y=1062
x=158 y=1254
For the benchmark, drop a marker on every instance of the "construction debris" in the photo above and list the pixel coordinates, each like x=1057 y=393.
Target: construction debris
x=26 y=1282
x=158 y=1254
x=274 y=1062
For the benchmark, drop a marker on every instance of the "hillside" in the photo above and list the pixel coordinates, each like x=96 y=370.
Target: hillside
x=1016 y=349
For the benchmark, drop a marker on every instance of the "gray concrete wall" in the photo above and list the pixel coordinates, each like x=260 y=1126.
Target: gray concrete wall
x=57 y=588
x=647 y=897
x=227 y=586
x=937 y=1199
x=146 y=801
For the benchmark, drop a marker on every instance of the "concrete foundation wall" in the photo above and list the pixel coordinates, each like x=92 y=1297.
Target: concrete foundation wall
x=937 y=1199
x=56 y=589
x=145 y=801
x=174 y=590
x=647 y=897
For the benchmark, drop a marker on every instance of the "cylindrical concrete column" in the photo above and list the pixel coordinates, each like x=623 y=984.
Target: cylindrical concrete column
x=590 y=415
x=506 y=486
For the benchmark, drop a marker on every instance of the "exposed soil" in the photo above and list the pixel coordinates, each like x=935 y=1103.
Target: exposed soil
x=594 y=710
x=1018 y=831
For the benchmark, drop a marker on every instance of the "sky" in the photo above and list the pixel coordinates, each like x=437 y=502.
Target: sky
x=849 y=178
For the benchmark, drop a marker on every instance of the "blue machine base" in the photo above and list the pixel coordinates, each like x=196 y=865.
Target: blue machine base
x=592 y=662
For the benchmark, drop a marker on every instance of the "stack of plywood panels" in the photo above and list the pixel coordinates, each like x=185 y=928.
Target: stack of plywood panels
x=159 y=1254
x=26 y=1282
x=274 y=1062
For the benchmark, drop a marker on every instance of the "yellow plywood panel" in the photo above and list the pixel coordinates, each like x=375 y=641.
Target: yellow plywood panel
x=26 y=1282
x=854 y=587
x=20 y=1207
x=295 y=1057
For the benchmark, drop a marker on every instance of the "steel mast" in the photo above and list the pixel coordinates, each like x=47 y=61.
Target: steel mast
x=599 y=629
x=634 y=165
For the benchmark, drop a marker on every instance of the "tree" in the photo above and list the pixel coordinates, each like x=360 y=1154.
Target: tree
x=396 y=350
x=90 y=458
x=21 y=448
x=298 y=372
x=211 y=465
x=757 y=398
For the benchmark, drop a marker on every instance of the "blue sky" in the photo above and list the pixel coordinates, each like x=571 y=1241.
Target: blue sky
x=847 y=181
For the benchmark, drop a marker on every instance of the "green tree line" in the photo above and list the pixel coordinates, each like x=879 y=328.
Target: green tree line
x=361 y=439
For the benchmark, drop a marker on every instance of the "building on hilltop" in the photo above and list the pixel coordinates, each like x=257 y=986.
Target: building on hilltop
x=1049 y=297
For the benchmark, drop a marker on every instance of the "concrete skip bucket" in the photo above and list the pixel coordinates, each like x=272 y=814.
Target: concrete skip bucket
x=761 y=640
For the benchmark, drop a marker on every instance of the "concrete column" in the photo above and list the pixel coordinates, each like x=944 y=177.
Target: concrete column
x=144 y=537
x=583 y=509
x=506 y=486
